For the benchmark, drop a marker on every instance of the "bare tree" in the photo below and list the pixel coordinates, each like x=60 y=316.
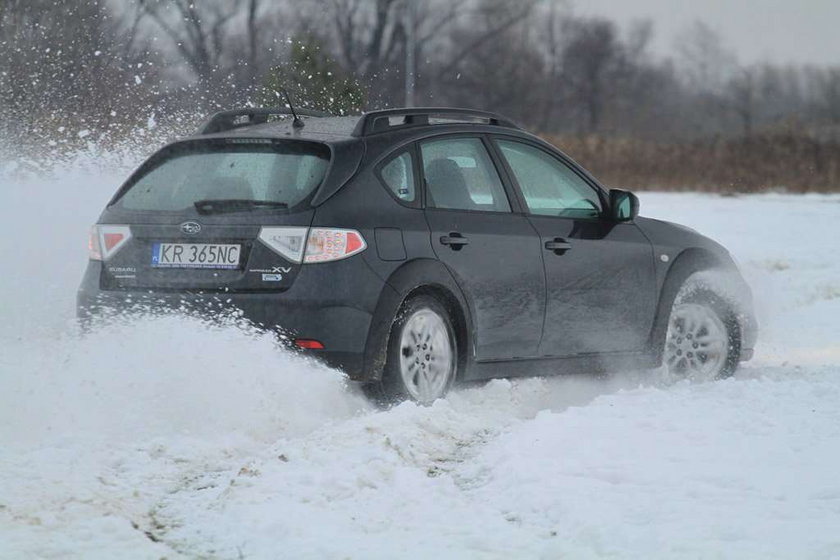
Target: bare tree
x=828 y=94
x=705 y=67
x=497 y=16
x=591 y=57
x=367 y=31
x=199 y=31
x=67 y=64
x=704 y=61
x=497 y=64
x=742 y=97
x=553 y=15
x=369 y=39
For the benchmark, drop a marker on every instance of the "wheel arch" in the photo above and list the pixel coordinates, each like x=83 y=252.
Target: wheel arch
x=420 y=276
x=689 y=261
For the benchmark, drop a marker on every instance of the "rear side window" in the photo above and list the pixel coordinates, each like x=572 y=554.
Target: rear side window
x=284 y=173
x=398 y=176
x=460 y=175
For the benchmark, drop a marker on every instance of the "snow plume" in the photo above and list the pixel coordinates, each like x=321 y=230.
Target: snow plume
x=78 y=150
x=167 y=376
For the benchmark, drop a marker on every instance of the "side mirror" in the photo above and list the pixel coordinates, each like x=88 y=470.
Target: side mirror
x=624 y=205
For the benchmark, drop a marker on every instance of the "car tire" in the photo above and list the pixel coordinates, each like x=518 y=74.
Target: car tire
x=703 y=337
x=422 y=355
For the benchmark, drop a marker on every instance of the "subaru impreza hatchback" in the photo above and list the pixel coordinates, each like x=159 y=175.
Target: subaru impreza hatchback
x=412 y=248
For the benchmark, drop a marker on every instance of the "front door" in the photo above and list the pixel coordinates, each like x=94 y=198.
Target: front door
x=493 y=254
x=601 y=289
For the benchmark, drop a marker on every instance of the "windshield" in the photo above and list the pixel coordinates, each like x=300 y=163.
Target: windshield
x=191 y=175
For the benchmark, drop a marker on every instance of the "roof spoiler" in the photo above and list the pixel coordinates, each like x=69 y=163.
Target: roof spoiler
x=229 y=120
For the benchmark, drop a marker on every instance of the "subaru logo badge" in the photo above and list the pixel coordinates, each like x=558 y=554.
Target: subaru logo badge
x=191 y=228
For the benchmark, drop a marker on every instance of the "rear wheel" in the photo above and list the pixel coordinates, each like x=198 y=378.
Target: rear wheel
x=703 y=341
x=422 y=358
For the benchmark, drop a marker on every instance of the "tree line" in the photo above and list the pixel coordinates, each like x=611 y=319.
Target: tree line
x=73 y=71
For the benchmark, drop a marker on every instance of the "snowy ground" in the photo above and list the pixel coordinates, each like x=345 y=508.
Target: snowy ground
x=166 y=438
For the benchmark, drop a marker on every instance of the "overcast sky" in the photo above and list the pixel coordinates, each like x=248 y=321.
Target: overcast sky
x=782 y=31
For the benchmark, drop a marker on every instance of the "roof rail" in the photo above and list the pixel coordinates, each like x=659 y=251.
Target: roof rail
x=228 y=120
x=380 y=121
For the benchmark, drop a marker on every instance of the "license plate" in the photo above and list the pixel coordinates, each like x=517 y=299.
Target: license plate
x=195 y=255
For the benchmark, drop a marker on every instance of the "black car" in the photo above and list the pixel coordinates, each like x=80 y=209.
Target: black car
x=414 y=247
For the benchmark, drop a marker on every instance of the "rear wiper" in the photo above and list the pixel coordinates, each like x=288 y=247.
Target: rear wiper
x=220 y=206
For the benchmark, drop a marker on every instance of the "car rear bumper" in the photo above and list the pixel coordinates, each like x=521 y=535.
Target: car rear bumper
x=342 y=328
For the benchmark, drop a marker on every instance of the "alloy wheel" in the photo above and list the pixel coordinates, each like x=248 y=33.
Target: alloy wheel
x=427 y=357
x=697 y=343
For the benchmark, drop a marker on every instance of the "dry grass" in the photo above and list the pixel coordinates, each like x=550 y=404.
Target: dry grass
x=769 y=162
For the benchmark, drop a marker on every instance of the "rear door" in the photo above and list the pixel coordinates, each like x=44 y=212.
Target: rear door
x=600 y=273
x=220 y=215
x=493 y=252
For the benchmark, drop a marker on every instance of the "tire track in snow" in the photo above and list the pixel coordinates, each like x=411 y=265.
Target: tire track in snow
x=390 y=461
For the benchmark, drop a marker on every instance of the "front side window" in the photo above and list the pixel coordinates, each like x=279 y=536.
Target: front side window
x=398 y=176
x=186 y=175
x=550 y=187
x=460 y=175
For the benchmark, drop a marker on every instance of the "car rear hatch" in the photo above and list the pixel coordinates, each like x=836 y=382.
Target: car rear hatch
x=220 y=215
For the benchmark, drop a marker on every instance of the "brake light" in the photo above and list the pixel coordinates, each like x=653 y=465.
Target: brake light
x=326 y=244
x=105 y=240
x=313 y=245
x=308 y=344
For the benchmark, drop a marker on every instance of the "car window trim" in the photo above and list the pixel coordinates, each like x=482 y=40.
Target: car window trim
x=411 y=150
x=513 y=201
x=599 y=190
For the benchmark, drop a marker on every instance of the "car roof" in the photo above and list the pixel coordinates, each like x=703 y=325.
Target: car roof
x=313 y=125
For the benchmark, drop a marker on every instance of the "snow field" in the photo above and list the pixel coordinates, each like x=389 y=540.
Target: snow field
x=167 y=437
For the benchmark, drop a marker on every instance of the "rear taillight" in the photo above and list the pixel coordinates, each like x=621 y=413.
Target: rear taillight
x=309 y=344
x=326 y=244
x=315 y=245
x=93 y=244
x=105 y=240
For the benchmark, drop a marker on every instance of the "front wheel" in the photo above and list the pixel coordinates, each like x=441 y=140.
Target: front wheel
x=703 y=341
x=422 y=358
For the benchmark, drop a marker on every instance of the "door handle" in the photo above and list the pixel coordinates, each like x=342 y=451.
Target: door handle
x=455 y=240
x=558 y=245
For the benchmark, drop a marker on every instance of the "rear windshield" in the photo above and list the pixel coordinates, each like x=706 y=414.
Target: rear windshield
x=281 y=173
